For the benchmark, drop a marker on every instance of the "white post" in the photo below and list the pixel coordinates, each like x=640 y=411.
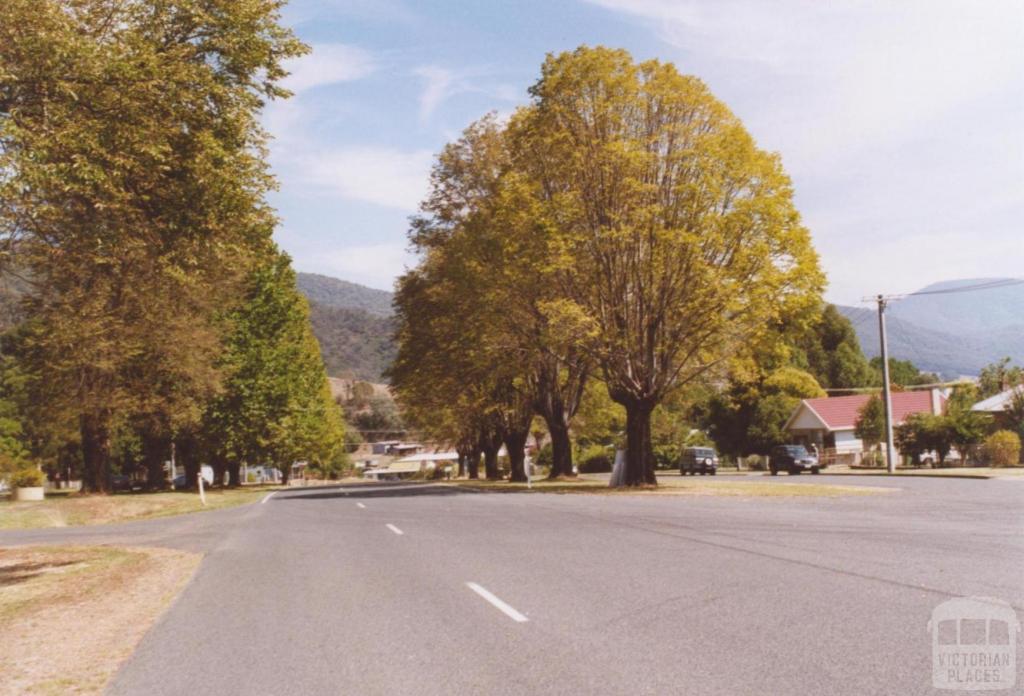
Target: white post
x=202 y=494
x=529 y=480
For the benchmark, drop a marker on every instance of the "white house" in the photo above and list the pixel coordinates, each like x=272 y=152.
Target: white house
x=1000 y=402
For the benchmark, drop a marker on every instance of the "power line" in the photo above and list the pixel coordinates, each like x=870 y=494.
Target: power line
x=1003 y=283
x=987 y=285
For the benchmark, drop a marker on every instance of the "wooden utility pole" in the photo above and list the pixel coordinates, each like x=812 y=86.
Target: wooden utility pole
x=890 y=449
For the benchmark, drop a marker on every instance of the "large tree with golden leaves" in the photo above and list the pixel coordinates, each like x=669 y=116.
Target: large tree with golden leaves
x=673 y=240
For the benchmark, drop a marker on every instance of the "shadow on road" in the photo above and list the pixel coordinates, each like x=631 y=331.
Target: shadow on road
x=382 y=490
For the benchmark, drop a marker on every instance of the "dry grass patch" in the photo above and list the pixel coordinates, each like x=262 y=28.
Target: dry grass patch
x=63 y=510
x=678 y=486
x=70 y=615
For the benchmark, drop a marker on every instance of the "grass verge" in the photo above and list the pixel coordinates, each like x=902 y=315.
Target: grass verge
x=70 y=509
x=70 y=615
x=678 y=486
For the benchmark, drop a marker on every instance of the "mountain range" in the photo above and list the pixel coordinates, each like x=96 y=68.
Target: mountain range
x=940 y=328
x=947 y=329
x=949 y=333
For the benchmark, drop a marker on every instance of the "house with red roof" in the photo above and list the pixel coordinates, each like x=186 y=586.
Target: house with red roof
x=829 y=422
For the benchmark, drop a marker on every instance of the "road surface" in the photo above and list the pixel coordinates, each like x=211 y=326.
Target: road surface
x=424 y=589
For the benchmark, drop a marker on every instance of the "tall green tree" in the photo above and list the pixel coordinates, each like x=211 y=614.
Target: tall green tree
x=869 y=427
x=276 y=405
x=133 y=194
x=830 y=351
x=673 y=239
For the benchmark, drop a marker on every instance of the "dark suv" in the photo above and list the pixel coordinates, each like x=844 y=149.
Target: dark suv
x=698 y=460
x=792 y=458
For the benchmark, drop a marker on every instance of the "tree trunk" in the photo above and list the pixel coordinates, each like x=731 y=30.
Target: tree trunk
x=639 y=453
x=491 y=462
x=234 y=473
x=286 y=473
x=473 y=465
x=95 y=433
x=152 y=456
x=561 y=448
x=515 y=443
x=189 y=457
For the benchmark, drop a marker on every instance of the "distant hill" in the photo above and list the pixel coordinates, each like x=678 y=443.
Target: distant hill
x=332 y=292
x=353 y=342
x=351 y=322
x=983 y=311
x=353 y=325
x=949 y=333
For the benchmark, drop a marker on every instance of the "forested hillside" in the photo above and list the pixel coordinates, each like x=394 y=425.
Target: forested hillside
x=334 y=292
x=353 y=342
x=352 y=323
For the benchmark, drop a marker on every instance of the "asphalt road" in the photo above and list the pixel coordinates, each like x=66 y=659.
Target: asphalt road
x=419 y=589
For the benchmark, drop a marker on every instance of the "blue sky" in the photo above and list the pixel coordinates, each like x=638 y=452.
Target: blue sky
x=899 y=122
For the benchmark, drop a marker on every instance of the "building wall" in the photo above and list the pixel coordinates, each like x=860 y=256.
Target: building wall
x=805 y=420
x=846 y=441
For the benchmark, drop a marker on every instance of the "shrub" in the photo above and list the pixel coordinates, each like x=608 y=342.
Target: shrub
x=1003 y=448
x=873 y=458
x=595 y=460
x=545 y=457
x=27 y=478
x=666 y=456
x=756 y=462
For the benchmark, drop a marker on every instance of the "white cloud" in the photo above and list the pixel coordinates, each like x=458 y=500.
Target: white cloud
x=439 y=84
x=375 y=265
x=328 y=64
x=899 y=122
x=383 y=176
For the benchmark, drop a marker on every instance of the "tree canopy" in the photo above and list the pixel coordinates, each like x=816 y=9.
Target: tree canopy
x=132 y=203
x=622 y=226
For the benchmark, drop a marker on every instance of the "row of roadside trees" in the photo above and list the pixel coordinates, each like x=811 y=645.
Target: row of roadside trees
x=624 y=229
x=155 y=307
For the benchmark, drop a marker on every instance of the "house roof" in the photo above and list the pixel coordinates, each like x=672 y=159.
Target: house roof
x=999 y=402
x=840 y=412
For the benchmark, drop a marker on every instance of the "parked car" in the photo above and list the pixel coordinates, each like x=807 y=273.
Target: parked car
x=698 y=460
x=792 y=458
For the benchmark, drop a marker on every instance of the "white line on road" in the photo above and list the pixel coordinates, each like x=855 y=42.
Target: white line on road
x=267 y=497
x=504 y=608
x=395 y=529
x=361 y=505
